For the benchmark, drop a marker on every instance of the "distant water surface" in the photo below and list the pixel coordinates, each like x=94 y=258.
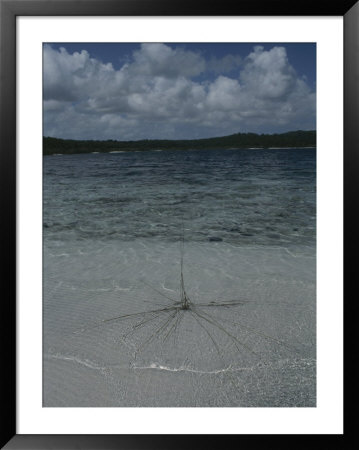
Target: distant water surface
x=244 y=197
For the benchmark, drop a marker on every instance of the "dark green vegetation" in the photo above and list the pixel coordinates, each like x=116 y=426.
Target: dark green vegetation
x=238 y=140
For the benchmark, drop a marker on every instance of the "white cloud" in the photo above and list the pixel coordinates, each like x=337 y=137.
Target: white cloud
x=69 y=77
x=161 y=60
x=157 y=94
x=224 y=94
x=268 y=74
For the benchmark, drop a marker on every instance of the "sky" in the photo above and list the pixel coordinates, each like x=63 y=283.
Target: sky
x=177 y=91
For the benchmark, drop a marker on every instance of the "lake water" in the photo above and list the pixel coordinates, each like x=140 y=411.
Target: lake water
x=243 y=197
x=115 y=229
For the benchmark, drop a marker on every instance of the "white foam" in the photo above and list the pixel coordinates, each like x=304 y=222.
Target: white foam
x=155 y=366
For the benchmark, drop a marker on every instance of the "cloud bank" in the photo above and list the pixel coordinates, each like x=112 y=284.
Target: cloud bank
x=173 y=93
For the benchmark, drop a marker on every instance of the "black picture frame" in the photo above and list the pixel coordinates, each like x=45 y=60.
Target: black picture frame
x=9 y=10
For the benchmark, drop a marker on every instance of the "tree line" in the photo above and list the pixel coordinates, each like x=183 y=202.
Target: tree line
x=298 y=138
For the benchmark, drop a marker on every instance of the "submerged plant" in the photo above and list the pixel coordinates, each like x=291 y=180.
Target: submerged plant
x=183 y=322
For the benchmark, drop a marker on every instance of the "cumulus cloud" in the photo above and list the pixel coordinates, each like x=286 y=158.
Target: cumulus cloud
x=69 y=77
x=268 y=74
x=168 y=92
x=224 y=94
x=163 y=61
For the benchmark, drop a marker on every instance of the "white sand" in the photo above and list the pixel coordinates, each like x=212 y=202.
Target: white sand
x=259 y=353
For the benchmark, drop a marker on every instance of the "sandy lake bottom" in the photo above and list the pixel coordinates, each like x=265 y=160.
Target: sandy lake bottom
x=248 y=339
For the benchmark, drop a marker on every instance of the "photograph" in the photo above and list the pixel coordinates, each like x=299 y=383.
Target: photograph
x=179 y=224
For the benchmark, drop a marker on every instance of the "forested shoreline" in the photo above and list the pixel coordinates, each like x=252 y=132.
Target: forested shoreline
x=294 y=139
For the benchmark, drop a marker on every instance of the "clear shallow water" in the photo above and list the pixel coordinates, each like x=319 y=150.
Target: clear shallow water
x=112 y=230
x=243 y=197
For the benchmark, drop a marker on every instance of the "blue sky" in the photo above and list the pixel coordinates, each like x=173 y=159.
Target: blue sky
x=177 y=90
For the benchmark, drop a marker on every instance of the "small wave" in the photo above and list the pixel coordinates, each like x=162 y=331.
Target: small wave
x=155 y=366
x=152 y=366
